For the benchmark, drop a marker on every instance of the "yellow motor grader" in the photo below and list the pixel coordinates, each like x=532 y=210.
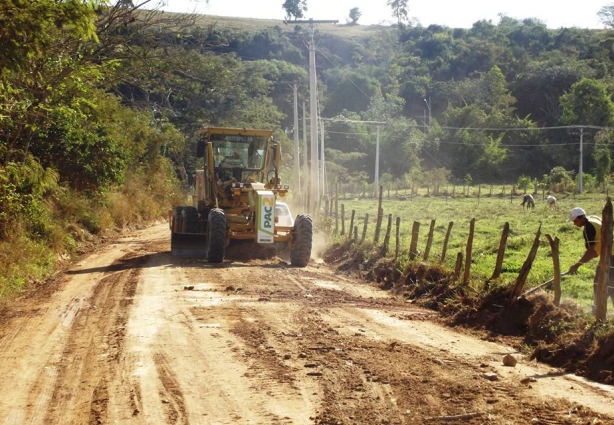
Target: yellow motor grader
x=237 y=197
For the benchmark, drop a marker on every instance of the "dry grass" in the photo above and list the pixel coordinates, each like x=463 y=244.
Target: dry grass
x=68 y=223
x=253 y=25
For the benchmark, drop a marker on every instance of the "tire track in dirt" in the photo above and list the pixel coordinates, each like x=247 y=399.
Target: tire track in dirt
x=170 y=393
x=237 y=380
x=94 y=347
x=36 y=328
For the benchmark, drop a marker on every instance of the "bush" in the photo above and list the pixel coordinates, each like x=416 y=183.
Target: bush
x=560 y=180
x=524 y=183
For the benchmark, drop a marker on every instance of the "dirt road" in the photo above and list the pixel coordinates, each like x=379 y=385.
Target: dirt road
x=132 y=335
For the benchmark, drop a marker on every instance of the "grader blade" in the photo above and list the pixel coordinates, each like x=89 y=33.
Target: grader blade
x=188 y=245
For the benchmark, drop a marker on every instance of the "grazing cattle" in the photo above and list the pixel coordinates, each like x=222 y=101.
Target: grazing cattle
x=551 y=201
x=527 y=201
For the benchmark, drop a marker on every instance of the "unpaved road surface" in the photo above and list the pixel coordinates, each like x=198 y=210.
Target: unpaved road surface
x=132 y=335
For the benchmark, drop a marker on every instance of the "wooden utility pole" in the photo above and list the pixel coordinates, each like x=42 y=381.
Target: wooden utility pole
x=297 y=163
x=314 y=196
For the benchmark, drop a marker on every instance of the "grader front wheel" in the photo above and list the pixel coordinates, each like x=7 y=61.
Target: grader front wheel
x=216 y=236
x=303 y=241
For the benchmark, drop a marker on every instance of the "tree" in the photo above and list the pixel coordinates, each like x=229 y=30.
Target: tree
x=587 y=103
x=606 y=15
x=349 y=90
x=30 y=28
x=294 y=9
x=355 y=15
x=399 y=9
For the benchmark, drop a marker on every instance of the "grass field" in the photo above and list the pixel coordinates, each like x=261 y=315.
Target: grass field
x=490 y=213
x=253 y=25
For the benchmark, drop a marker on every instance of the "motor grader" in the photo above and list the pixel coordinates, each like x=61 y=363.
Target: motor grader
x=237 y=197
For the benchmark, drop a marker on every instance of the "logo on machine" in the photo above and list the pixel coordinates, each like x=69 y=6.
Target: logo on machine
x=266 y=222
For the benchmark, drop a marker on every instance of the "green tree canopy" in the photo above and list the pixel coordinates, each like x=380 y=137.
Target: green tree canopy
x=400 y=9
x=355 y=15
x=587 y=103
x=295 y=8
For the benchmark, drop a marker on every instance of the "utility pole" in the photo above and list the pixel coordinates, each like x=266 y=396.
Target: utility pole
x=322 y=162
x=428 y=105
x=314 y=199
x=297 y=171
x=580 y=182
x=313 y=127
x=376 y=184
x=306 y=189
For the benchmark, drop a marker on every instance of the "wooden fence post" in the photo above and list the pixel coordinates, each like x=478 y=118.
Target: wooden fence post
x=445 y=242
x=429 y=241
x=378 y=227
x=352 y=223
x=397 y=238
x=556 y=265
x=502 y=244
x=458 y=265
x=355 y=234
x=468 y=252
x=364 y=228
x=414 y=240
x=387 y=237
x=603 y=281
x=342 y=219
x=380 y=213
x=337 y=209
x=526 y=268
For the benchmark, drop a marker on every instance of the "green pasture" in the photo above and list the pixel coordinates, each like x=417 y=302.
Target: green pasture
x=490 y=213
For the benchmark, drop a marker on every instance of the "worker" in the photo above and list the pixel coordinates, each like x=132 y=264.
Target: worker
x=592 y=244
x=233 y=161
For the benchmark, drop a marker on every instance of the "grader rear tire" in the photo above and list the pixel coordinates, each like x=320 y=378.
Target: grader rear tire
x=303 y=241
x=216 y=236
x=189 y=220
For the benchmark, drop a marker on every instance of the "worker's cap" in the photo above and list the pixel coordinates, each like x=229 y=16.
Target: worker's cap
x=575 y=213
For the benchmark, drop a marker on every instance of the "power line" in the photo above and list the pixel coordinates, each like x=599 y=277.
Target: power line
x=594 y=127
x=560 y=127
x=462 y=143
x=351 y=81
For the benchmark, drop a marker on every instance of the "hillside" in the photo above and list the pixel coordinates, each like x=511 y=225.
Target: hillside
x=254 y=25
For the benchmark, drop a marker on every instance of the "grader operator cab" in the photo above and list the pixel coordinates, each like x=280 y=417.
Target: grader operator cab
x=237 y=198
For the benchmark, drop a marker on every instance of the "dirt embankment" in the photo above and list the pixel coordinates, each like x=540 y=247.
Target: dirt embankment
x=134 y=335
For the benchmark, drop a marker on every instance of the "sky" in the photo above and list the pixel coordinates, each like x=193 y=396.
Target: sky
x=451 y=13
